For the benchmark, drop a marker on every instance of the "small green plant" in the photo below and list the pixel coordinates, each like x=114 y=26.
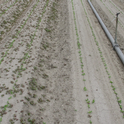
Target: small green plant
x=93 y=101
x=47 y=30
x=35 y=68
x=88 y=101
x=121 y=111
x=10 y=97
x=111 y=82
x=85 y=89
x=34 y=95
x=88 y=105
x=2 y=95
x=90 y=122
x=90 y=112
x=109 y=76
x=121 y=106
x=119 y=101
x=1 y=119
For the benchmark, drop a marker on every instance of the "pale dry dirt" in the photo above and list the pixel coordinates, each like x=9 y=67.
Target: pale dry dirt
x=43 y=74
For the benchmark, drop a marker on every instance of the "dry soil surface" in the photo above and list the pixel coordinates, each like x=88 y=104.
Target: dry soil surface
x=57 y=65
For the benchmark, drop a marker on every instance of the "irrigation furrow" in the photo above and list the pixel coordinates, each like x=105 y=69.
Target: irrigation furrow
x=16 y=35
x=119 y=101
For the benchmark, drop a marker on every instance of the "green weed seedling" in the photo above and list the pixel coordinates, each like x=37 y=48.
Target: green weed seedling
x=90 y=112
x=9 y=97
x=85 y=89
x=88 y=101
x=121 y=111
x=90 y=122
x=47 y=30
x=11 y=92
x=79 y=52
x=2 y=95
x=111 y=82
x=117 y=97
x=80 y=58
x=109 y=76
x=93 y=101
x=114 y=88
x=1 y=119
x=119 y=101
x=88 y=105
x=121 y=106
x=5 y=107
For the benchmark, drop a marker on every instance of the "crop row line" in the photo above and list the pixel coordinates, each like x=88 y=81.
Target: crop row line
x=81 y=60
x=11 y=44
x=8 y=8
x=104 y=63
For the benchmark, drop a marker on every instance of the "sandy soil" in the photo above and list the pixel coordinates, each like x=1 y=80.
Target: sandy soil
x=56 y=64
